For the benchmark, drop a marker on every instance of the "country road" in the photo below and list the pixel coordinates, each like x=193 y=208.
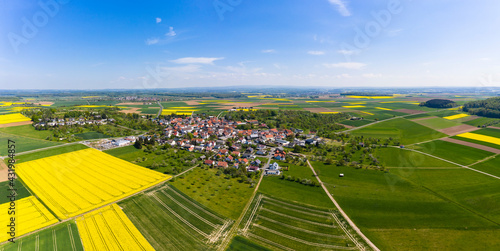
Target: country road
x=351 y=223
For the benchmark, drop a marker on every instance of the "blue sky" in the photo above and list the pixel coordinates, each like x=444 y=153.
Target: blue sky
x=70 y=44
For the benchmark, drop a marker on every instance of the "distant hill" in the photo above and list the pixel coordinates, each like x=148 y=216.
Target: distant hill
x=439 y=103
x=487 y=108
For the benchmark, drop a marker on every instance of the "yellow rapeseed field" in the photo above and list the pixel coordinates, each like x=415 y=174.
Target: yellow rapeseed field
x=382 y=108
x=458 y=116
x=370 y=97
x=329 y=112
x=110 y=229
x=30 y=215
x=369 y=113
x=480 y=137
x=77 y=182
x=13 y=118
x=320 y=101
x=353 y=106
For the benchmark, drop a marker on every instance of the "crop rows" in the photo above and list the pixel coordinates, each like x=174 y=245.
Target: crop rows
x=110 y=229
x=290 y=226
x=77 y=182
x=30 y=216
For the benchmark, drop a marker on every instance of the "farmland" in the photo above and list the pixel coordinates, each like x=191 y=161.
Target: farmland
x=63 y=236
x=218 y=192
x=491 y=166
x=406 y=131
x=438 y=123
x=394 y=157
x=34 y=216
x=282 y=224
x=24 y=143
x=191 y=226
x=110 y=229
x=26 y=131
x=22 y=192
x=400 y=209
x=480 y=137
x=454 y=152
x=49 y=152
x=87 y=180
x=13 y=118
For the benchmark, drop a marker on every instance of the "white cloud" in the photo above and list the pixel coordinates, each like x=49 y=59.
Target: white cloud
x=347 y=52
x=158 y=20
x=186 y=68
x=191 y=60
x=151 y=41
x=371 y=75
x=171 y=32
x=316 y=53
x=269 y=51
x=348 y=65
x=341 y=7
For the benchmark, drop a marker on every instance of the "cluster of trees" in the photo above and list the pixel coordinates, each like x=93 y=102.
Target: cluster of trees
x=439 y=103
x=286 y=119
x=303 y=181
x=487 y=108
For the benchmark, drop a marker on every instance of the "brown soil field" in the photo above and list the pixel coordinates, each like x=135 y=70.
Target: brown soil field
x=465 y=143
x=494 y=127
x=131 y=110
x=452 y=131
x=44 y=103
x=16 y=124
x=4 y=170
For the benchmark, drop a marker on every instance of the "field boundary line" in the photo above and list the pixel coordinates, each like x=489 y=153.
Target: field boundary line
x=347 y=232
x=54 y=239
x=297 y=206
x=180 y=218
x=300 y=229
x=270 y=242
x=37 y=243
x=191 y=212
x=228 y=238
x=72 y=240
x=485 y=159
x=299 y=219
x=255 y=209
x=296 y=210
x=451 y=162
x=303 y=241
x=194 y=204
x=346 y=217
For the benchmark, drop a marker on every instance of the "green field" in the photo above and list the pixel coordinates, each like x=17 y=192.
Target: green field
x=23 y=144
x=174 y=221
x=294 y=191
x=240 y=243
x=477 y=141
x=227 y=196
x=406 y=131
x=400 y=209
x=92 y=135
x=438 y=123
x=356 y=122
x=481 y=121
x=489 y=132
x=395 y=157
x=277 y=223
x=49 y=152
x=26 y=131
x=460 y=154
x=22 y=192
x=417 y=116
x=491 y=166
x=65 y=236
x=169 y=161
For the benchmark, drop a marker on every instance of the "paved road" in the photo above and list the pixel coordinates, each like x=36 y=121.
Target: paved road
x=160 y=111
x=351 y=223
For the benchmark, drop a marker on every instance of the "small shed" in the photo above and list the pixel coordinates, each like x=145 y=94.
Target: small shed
x=341 y=175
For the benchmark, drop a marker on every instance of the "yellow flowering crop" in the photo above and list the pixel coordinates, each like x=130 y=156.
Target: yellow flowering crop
x=30 y=215
x=353 y=106
x=458 y=116
x=109 y=228
x=369 y=113
x=77 y=182
x=329 y=112
x=320 y=101
x=480 y=137
x=381 y=108
x=13 y=118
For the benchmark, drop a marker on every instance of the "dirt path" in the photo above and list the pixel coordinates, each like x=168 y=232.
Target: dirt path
x=474 y=145
x=351 y=223
x=4 y=171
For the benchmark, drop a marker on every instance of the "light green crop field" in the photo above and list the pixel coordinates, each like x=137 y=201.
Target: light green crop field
x=294 y=191
x=400 y=209
x=23 y=143
x=395 y=157
x=171 y=221
x=438 y=123
x=92 y=135
x=240 y=243
x=357 y=122
x=26 y=131
x=49 y=152
x=480 y=121
x=491 y=166
x=63 y=236
x=460 y=154
x=417 y=116
x=406 y=131
x=225 y=196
